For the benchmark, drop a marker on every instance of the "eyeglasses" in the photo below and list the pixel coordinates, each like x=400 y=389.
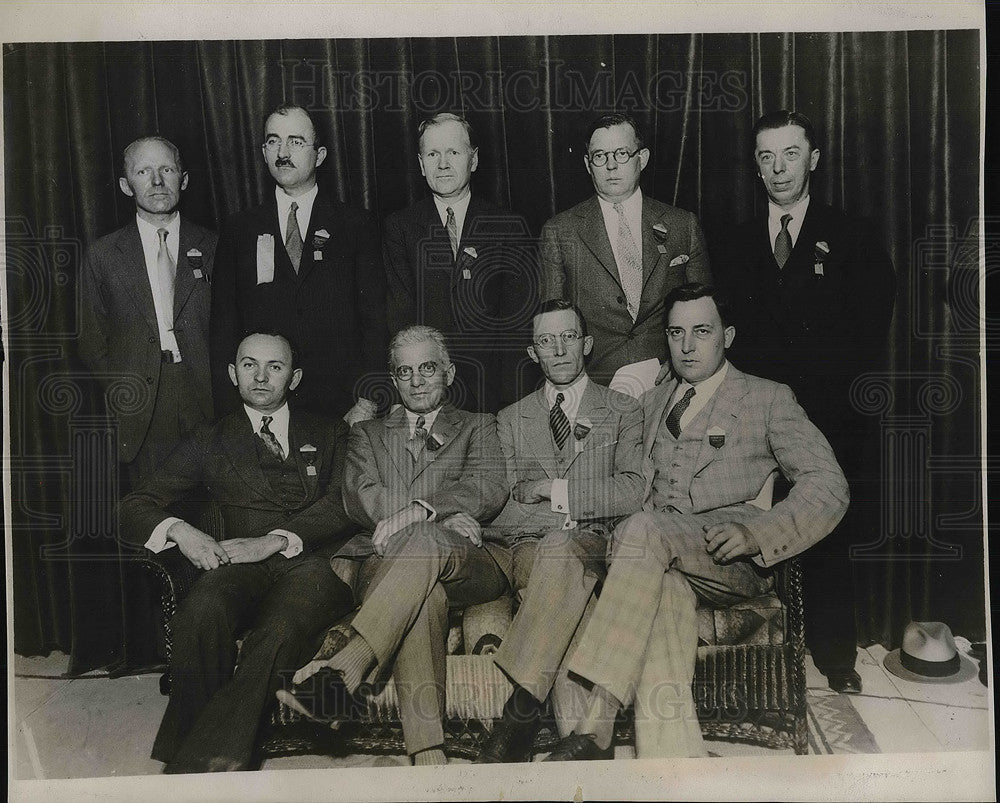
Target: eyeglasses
x=426 y=369
x=293 y=143
x=547 y=342
x=622 y=155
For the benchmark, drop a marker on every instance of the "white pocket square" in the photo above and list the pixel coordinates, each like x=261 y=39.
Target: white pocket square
x=679 y=260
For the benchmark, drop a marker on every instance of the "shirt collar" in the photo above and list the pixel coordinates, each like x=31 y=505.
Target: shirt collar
x=798 y=212
x=706 y=388
x=305 y=200
x=173 y=227
x=429 y=419
x=279 y=419
x=631 y=205
x=459 y=207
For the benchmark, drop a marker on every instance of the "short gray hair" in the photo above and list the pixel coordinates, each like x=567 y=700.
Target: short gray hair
x=418 y=334
x=152 y=138
x=446 y=117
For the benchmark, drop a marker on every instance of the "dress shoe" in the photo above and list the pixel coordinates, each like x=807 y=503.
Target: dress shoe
x=580 y=747
x=510 y=742
x=845 y=682
x=322 y=697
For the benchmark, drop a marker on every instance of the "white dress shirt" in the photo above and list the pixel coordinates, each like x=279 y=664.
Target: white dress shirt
x=150 y=249
x=774 y=215
x=572 y=396
x=279 y=428
x=429 y=419
x=302 y=214
x=459 y=207
x=703 y=393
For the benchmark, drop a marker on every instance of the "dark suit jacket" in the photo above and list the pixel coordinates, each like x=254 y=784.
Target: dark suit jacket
x=334 y=308
x=466 y=474
x=813 y=331
x=487 y=316
x=765 y=430
x=579 y=265
x=604 y=475
x=119 y=336
x=221 y=459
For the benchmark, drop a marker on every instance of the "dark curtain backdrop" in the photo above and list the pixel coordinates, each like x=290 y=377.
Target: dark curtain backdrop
x=898 y=115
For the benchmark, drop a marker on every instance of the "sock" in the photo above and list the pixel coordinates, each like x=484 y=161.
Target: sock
x=601 y=714
x=431 y=756
x=354 y=662
x=521 y=706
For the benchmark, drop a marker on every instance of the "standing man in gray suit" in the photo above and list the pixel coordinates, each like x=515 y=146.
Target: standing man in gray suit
x=617 y=254
x=144 y=317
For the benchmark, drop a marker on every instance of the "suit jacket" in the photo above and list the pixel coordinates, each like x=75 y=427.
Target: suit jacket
x=334 y=308
x=220 y=460
x=814 y=330
x=578 y=264
x=765 y=431
x=485 y=316
x=604 y=475
x=119 y=336
x=465 y=474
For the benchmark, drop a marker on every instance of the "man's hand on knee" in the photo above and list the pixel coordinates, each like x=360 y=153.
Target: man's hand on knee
x=198 y=547
x=253 y=550
x=391 y=525
x=465 y=526
x=728 y=541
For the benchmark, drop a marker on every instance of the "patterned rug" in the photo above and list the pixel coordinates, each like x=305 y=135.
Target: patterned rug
x=835 y=725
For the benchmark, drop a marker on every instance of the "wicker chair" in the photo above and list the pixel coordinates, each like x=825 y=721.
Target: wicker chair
x=749 y=679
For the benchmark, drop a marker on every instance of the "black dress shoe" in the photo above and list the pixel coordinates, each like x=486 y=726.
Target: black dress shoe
x=510 y=742
x=580 y=747
x=845 y=682
x=322 y=697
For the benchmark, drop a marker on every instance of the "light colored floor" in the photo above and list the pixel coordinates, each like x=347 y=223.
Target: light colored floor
x=96 y=727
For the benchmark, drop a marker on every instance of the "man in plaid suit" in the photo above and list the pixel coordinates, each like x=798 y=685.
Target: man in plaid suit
x=714 y=436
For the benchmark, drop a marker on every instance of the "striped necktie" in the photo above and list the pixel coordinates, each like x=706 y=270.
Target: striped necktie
x=558 y=422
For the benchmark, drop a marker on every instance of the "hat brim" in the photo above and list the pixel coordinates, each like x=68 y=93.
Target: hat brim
x=967 y=670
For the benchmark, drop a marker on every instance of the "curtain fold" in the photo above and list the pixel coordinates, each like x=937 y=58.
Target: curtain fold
x=897 y=115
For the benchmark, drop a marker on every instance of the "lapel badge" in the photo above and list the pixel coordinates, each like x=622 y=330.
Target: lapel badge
x=471 y=251
x=582 y=428
x=680 y=260
x=194 y=258
x=660 y=232
x=434 y=442
x=308 y=452
x=822 y=252
x=716 y=437
x=319 y=239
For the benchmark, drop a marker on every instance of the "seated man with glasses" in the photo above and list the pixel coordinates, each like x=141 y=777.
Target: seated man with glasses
x=574 y=463
x=618 y=254
x=306 y=264
x=422 y=480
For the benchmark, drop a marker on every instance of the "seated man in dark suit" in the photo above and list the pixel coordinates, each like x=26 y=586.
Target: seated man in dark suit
x=574 y=464
x=421 y=480
x=276 y=474
x=459 y=263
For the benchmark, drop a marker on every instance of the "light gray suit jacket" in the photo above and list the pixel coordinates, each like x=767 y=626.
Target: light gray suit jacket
x=764 y=430
x=578 y=265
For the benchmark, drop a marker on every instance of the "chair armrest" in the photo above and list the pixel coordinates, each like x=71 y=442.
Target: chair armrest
x=485 y=625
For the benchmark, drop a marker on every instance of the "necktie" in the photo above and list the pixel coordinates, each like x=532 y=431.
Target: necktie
x=293 y=237
x=452 y=227
x=270 y=441
x=630 y=271
x=416 y=443
x=558 y=421
x=167 y=271
x=783 y=243
x=673 y=419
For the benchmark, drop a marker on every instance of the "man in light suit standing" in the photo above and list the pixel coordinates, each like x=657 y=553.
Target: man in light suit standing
x=574 y=455
x=145 y=309
x=422 y=481
x=617 y=254
x=459 y=263
x=304 y=264
x=713 y=438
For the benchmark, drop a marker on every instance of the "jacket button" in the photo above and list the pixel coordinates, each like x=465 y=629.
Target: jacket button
x=620 y=299
x=152 y=340
x=149 y=380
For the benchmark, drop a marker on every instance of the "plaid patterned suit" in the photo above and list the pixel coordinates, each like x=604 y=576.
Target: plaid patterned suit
x=642 y=638
x=605 y=483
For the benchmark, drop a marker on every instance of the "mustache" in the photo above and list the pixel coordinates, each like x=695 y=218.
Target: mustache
x=283 y=161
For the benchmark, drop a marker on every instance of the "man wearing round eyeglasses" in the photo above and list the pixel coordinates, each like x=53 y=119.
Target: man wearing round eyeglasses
x=308 y=265
x=422 y=481
x=574 y=455
x=618 y=254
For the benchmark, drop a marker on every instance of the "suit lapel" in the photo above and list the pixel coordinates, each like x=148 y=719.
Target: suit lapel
x=270 y=225
x=395 y=432
x=185 y=281
x=535 y=434
x=594 y=235
x=241 y=450
x=593 y=408
x=446 y=426
x=131 y=274
x=321 y=217
x=725 y=410
x=299 y=435
x=654 y=413
x=651 y=255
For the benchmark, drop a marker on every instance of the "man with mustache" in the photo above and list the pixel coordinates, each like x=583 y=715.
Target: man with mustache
x=307 y=265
